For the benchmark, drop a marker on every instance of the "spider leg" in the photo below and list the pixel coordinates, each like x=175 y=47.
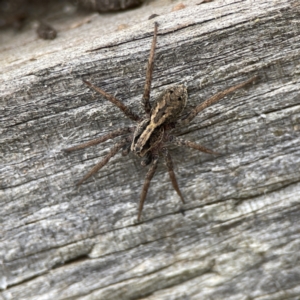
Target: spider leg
x=104 y=161
x=126 y=110
x=186 y=143
x=148 y=178
x=149 y=71
x=213 y=100
x=169 y=165
x=101 y=139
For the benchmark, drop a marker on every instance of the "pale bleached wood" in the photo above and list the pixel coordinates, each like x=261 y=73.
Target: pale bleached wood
x=239 y=235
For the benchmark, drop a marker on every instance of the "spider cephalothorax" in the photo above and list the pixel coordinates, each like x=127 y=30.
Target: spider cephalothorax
x=149 y=138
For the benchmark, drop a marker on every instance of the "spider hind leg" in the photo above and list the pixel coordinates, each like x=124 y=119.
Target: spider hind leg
x=101 y=139
x=148 y=178
x=104 y=161
x=169 y=165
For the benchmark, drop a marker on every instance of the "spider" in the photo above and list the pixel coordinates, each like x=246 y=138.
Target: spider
x=149 y=138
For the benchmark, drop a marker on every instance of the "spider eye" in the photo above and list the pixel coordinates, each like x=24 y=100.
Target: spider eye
x=171 y=91
x=179 y=98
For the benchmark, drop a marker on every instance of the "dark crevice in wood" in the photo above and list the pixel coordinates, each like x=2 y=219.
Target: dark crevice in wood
x=75 y=260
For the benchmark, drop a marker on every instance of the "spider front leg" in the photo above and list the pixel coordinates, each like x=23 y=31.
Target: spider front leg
x=217 y=97
x=126 y=110
x=148 y=178
x=169 y=165
x=104 y=161
x=149 y=71
x=189 y=144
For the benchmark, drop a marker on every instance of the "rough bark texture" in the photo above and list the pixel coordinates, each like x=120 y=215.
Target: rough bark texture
x=239 y=235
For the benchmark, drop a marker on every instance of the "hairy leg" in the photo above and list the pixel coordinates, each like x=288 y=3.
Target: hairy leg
x=126 y=110
x=104 y=161
x=217 y=97
x=148 y=178
x=182 y=142
x=149 y=71
x=101 y=139
x=169 y=165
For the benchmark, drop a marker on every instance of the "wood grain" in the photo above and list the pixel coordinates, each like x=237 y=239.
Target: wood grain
x=238 y=237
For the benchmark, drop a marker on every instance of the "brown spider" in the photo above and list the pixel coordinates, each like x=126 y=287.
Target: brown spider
x=149 y=137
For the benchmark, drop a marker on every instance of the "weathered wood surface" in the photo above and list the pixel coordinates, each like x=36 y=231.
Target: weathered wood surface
x=239 y=235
